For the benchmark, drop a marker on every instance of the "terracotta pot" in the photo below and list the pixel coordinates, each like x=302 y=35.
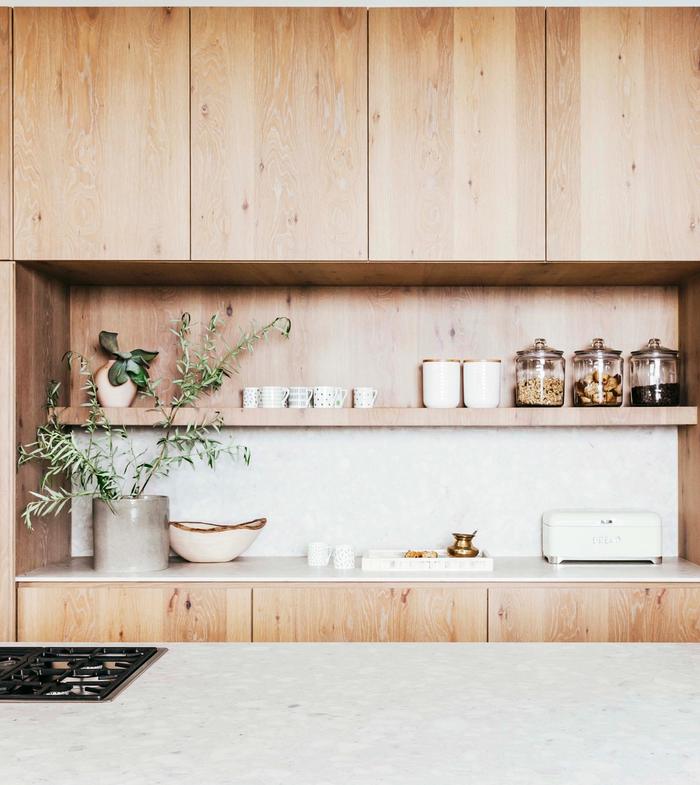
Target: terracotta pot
x=110 y=396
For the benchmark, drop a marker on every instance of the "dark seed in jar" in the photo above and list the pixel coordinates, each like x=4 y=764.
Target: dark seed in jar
x=668 y=394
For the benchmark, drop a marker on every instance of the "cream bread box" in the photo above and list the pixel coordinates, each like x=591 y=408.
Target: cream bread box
x=601 y=535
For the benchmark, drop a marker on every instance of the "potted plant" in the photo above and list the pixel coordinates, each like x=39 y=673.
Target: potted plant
x=131 y=527
x=119 y=380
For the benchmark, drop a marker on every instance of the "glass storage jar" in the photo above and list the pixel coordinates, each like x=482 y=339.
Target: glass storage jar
x=655 y=376
x=539 y=375
x=598 y=375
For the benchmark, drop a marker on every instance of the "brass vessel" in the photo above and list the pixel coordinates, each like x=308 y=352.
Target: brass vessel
x=463 y=546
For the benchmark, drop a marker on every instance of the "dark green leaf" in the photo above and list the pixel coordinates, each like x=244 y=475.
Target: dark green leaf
x=144 y=355
x=108 y=341
x=117 y=374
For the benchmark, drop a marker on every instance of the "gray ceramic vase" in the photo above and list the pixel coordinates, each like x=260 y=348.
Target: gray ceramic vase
x=133 y=535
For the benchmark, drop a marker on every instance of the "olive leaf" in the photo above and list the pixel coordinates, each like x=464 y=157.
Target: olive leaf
x=132 y=365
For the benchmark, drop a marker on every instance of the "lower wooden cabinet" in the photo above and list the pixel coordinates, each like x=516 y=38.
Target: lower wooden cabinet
x=644 y=613
x=151 y=612
x=135 y=613
x=369 y=613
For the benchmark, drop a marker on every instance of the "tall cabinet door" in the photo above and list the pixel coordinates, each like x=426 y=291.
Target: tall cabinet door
x=279 y=133
x=5 y=133
x=101 y=133
x=457 y=134
x=623 y=134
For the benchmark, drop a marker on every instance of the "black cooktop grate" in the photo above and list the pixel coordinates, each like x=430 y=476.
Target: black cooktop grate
x=69 y=673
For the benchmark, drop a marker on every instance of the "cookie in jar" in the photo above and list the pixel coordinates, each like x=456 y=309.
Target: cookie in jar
x=598 y=373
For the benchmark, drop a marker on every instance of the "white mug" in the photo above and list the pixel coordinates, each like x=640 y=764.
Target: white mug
x=300 y=397
x=364 y=397
x=329 y=397
x=340 y=395
x=251 y=397
x=318 y=554
x=482 y=383
x=442 y=384
x=273 y=397
x=344 y=557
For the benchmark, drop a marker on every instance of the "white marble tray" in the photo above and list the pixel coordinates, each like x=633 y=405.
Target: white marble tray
x=394 y=560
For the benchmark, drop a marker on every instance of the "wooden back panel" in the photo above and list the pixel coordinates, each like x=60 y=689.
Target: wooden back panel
x=357 y=336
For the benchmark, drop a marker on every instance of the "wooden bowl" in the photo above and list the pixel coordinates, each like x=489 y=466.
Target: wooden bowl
x=212 y=542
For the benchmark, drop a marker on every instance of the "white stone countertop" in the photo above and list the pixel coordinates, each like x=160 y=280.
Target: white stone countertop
x=376 y=714
x=293 y=569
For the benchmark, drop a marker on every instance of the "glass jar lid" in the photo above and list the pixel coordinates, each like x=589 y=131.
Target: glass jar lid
x=539 y=348
x=598 y=349
x=654 y=350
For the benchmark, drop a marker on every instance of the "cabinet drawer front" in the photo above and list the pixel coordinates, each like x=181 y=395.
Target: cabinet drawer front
x=369 y=613
x=653 y=614
x=139 y=614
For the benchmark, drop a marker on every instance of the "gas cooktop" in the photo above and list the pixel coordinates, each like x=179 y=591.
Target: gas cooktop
x=70 y=673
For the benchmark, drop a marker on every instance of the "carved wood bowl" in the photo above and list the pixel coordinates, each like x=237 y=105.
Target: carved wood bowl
x=212 y=542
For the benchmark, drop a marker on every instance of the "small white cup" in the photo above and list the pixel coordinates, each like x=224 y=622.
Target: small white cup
x=329 y=397
x=251 y=397
x=482 y=384
x=318 y=554
x=340 y=395
x=344 y=557
x=273 y=397
x=442 y=384
x=300 y=397
x=364 y=397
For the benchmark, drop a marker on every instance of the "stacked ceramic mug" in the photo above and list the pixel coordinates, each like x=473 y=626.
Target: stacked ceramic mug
x=322 y=397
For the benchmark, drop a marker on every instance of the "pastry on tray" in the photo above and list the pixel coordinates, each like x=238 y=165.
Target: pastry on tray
x=420 y=555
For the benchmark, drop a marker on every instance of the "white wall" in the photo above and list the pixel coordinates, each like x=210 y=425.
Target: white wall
x=409 y=488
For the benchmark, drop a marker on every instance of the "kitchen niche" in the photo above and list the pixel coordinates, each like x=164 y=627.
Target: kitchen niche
x=356 y=336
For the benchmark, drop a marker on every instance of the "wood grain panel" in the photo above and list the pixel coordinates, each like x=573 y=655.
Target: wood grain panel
x=399 y=327
x=655 y=613
x=369 y=613
x=7 y=453
x=623 y=134
x=689 y=438
x=390 y=417
x=134 y=613
x=5 y=133
x=652 y=614
x=547 y=614
x=101 y=136
x=456 y=133
x=279 y=133
x=252 y=273
x=41 y=339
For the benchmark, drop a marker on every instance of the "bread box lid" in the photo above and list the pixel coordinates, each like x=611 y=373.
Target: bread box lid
x=601 y=517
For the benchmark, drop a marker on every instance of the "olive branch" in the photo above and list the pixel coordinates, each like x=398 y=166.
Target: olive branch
x=106 y=465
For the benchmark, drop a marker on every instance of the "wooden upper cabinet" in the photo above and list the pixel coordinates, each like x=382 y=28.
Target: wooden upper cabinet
x=457 y=134
x=101 y=133
x=5 y=133
x=623 y=134
x=279 y=133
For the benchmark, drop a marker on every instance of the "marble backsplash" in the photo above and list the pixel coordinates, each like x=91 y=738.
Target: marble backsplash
x=412 y=487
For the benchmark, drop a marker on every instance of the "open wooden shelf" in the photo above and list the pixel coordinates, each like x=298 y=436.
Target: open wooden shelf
x=408 y=417
x=367 y=273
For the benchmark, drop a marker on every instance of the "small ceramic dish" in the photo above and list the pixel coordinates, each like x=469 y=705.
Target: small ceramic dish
x=212 y=542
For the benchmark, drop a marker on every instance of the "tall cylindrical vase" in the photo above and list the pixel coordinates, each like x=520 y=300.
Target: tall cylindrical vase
x=131 y=535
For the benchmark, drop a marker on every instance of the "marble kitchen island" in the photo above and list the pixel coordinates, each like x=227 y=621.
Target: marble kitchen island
x=345 y=714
